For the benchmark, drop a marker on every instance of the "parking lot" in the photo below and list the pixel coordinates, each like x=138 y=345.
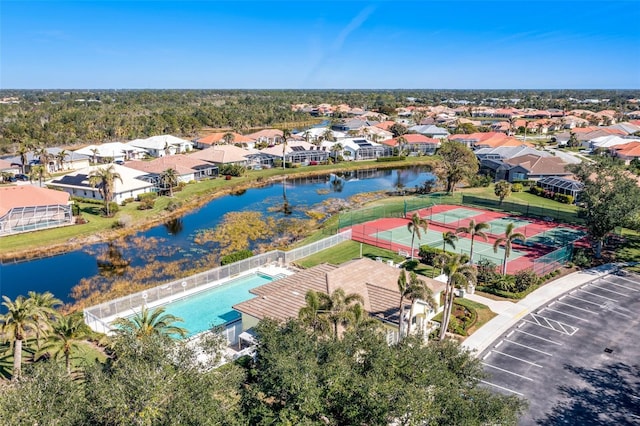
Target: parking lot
x=576 y=358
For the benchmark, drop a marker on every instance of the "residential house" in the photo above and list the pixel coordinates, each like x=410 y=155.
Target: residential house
x=530 y=167
x=266 y=136
x=626 y=152
x=486 y=140
x=162 y=145
x=414 y=143
x=9 y=167
x=319 y=134
x=72 y=161
x=130 y=185
x=29 y=208
x=112 y=151
x=224 y=138
x=605 y=142
x=375 y=282
x=298 y=152
x=188 y=168
x=430 y=131
x=561 y=185
x=352 y=125
x=221 y=155
x=357 y=149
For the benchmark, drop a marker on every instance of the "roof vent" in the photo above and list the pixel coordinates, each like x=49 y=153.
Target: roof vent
x=607 y=350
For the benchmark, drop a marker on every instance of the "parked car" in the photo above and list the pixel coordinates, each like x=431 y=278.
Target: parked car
x=22 y=177
x=120 y=162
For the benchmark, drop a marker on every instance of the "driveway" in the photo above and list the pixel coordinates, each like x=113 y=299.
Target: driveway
x=576 y=358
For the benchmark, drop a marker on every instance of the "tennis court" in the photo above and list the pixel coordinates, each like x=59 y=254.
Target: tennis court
x=543 y=238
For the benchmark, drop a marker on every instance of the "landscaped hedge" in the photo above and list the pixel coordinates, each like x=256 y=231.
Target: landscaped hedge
x=562 y=198
x=234 y=257
x=388 y=159
x=87 y=200
x=428 y=254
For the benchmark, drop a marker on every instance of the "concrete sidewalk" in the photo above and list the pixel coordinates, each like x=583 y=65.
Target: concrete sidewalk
x=510 y=313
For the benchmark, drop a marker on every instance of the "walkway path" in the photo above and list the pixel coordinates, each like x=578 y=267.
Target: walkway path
x=509 y=313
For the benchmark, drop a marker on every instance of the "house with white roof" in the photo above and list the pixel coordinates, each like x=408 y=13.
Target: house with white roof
x=430 y=131
x=130 y=185
x=358 y=149
x=609 y=141
x=112 y=151
x=298 y=152
x=162 y=145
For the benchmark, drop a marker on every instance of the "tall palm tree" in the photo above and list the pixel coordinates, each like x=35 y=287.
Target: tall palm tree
x=449 y=238
x=402 y=288
x=104 y=179
x=507 y=241
x=169 y=179
x=94 y=154
x=311 y=315
x=45 y=304
x=415 y=226
x=337 y=149
x=402 y=145
x=360 y=319
x=417 y=289
x=228 y=138
x=474 y=230
x=286 y=135
x=337 y=307
x=150 y=323
x=16 y=324
x=23 y=151
x=64 y=337
x=38 y=172
x=328 y=135
x=44 y=157
x=459 y=274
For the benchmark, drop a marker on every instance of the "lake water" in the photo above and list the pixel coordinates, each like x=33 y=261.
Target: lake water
x=175 y=241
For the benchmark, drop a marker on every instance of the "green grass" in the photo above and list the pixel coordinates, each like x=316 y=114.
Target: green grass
x=484 y=313
x=346 y=251
x=630 y=249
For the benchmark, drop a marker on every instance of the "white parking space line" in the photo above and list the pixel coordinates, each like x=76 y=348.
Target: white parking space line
x=528 y=347
x=576 y=307
x=519 y=359
x=609 y=290
x=628 y=279
x=541 y=338
x=551 y=324
x=623 y=286
x=500 y=387
x=597 y=295
x=508 y=372
x=569 y=315
x=586 y=301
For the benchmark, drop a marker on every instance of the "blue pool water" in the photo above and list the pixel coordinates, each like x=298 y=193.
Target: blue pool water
x=212 y=307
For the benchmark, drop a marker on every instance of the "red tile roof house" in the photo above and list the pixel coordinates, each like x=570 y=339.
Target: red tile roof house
x=29 y=208
x=219 y=139
x=415 y=143
x=626 y=152
x=376 y=282
x=531 y=167
x=268 y=136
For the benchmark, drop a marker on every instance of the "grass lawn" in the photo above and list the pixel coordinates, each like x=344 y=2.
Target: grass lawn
x=483 y=311
x=630 y=249
x=346 y=251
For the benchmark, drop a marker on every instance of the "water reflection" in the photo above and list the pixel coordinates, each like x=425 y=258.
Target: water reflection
x=174 y=226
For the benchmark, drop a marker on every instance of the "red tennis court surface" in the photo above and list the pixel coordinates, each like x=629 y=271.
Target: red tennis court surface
x=542 y=237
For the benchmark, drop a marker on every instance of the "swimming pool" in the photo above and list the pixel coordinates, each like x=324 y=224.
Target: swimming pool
x=201 y=311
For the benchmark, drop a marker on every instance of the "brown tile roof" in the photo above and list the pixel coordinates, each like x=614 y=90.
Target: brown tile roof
x=539 y=165
x=385 y=125
x=265 y=133
x=375 y=281
x=222 y=154
x=183 y=164
x=30 y=196
x=631 y=149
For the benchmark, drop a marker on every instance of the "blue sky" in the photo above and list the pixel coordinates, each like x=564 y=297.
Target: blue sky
x=320 y=44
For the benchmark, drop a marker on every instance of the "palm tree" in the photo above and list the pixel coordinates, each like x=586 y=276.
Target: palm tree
x=414 y=226
x=310 y=314
x=360 y=319
x=328 y=135
x=65 y=334
x=104 y=179
x=60 y=158
x=286 y=135
x=16 y=324
x=459 y=274
x=38 y=172
x=228 y=138
x=150 y=323
x=417 y=289
x=23 y=151
x=337 y=149
x=507 y=240
x=337 y=307
x=44 y=304
x=402 y=288
x=474 y=230
x=44 y=157
x=449 y=238
x=94 y=153
x=169 y=179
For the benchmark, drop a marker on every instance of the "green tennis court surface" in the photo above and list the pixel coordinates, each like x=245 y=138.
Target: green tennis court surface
x=556 y=237
x=454 y=215
x=498 y=226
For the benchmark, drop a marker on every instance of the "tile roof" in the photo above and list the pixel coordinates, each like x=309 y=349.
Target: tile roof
x=222 y=154
x=80 y=178
x=412 y=138
x=537 y=165
x=265 y=133
x=375 y=281
x=631 y=149
x=218 y=137
x=30 y=196
x=183 y=164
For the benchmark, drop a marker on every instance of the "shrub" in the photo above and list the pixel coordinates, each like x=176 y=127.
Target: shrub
x=113 y=208
x=582 y=258
x=536 y=190
x=122 y=222
x=148 y=195
x=566 y=199
x=389 y=159
x=87 y=200
x=235 y=170
x=173 y=205
x=487 y=274
x=428 y=254
x=75 y=209
x=504 y=283
x=525 y=183
x=235 y=257
x=480 y=181
x=517 y=187
x=523 y=280
x=147 y=203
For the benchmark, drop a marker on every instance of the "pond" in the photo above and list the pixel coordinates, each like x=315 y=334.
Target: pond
x=157 y=247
